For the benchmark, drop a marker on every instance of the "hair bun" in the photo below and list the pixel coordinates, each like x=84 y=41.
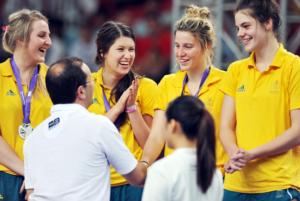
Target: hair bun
x=194 y=11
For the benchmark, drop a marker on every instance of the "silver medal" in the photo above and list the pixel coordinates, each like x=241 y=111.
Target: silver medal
x=25 y=130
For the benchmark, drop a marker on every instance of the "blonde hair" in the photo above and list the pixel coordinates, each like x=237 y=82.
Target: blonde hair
x=40 y=89
x=19 y=27
x=197 y=21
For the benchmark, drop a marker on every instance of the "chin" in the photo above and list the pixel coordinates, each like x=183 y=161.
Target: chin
x=124 y=72
x=248 y=48
x=184 y=68
x=40 y=60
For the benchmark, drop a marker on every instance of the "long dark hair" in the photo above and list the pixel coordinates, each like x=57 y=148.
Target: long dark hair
x=197 y=124
x=262 y=10
x=109 y=32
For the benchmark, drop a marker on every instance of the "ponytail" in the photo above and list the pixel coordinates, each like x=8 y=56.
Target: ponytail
x=206 y=154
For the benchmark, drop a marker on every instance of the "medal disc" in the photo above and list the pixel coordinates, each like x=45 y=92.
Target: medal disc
x=25 y=130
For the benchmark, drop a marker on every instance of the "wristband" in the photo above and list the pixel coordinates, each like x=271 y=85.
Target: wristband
x=131 y=108
x=145 y=162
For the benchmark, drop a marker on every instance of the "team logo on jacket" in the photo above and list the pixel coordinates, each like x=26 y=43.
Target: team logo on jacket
x=275 y=86
x=95 y=101
x=10 y=93
x=241 y=88
x=210 y=102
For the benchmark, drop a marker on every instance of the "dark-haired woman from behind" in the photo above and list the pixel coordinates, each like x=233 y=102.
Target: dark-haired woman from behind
x=190 y=172
x=124 y=97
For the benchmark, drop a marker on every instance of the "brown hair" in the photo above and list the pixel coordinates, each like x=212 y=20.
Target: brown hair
x=108 y=33
x=262 y=10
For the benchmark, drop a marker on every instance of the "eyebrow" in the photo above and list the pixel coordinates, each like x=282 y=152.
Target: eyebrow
x=244 y=23
x=44 y=32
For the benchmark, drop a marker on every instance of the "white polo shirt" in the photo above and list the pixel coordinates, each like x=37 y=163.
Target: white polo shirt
x=67 y=156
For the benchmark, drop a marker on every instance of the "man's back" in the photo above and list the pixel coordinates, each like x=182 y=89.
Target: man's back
x=67 y=157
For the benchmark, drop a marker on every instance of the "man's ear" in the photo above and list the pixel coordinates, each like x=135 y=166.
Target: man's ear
x=80 y=94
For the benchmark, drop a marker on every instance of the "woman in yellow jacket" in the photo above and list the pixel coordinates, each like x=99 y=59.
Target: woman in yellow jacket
x=24 y=101
x=127 y=99
x=194 y=41
x=260 y=126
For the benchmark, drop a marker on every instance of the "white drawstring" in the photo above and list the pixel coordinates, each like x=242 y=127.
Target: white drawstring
x=288 y=192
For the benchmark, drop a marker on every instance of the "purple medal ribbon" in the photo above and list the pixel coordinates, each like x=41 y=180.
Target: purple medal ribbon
x=203 y=78
x=25 y=99
x=106 y=103
x=107 y=108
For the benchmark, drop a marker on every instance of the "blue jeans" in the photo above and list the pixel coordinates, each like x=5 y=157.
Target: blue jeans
x=10 y=186
x=280 y=195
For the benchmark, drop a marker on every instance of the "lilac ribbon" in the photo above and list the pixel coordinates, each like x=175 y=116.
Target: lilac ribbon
x=106 y=103
x=107 y=108
x=26 y=100
x=203 y=78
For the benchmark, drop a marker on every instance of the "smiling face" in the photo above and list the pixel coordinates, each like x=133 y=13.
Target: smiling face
x=120 y=56
x=39 y=41
x=250 y=32
x=188 y=51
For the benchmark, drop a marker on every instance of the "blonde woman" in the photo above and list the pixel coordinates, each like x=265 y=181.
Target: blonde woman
x=24 y=102
x=194 y=42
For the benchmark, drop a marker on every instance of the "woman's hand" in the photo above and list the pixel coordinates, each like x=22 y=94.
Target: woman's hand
x=237 y=161
x=122 y=102
x=132 y=93
x=127 y=99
